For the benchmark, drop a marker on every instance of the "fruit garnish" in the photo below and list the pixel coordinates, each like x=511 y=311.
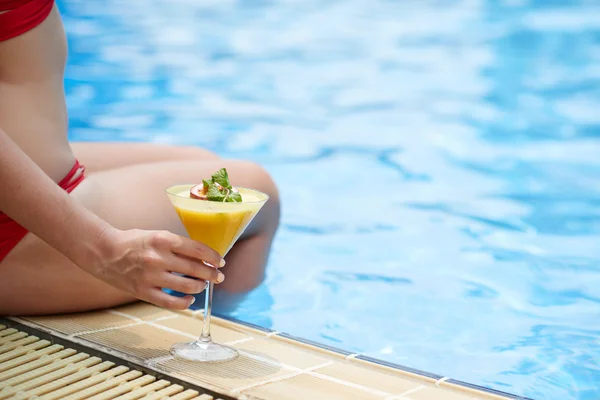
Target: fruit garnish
x=197 y=192
x=217 y=188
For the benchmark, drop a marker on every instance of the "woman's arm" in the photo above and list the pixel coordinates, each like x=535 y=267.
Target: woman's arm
x=32 y=199
x=138 y=262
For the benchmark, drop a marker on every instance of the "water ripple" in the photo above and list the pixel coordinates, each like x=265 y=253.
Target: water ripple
x=438 y=163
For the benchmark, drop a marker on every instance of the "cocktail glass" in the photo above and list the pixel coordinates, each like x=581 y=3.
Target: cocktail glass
x=218 y=225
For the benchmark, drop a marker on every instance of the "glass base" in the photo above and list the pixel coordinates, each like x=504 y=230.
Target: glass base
x=204 y=351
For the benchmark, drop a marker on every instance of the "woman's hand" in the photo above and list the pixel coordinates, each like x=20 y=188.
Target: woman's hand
x=137 y=262
x=141 y=263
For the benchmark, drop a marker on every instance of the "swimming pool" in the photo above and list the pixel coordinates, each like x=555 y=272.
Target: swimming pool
x=438 y=163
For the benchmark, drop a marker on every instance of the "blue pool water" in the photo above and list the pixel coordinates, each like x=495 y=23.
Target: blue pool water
x=439 y=165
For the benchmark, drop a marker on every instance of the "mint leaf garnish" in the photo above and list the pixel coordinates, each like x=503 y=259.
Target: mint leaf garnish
x=222 y=178
x=218 y=188
x=234 y=198
x=214 y=194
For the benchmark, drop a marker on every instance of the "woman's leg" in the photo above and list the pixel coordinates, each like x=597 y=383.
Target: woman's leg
x=104 y=156
x=36 y=279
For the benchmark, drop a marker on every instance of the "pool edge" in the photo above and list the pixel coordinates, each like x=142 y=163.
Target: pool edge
x=358 y=359
x=443 y=380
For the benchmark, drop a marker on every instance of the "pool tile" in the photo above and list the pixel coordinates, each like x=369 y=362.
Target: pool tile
x=438 y=393
x=224 y=377
x=370 y=377
x=241 y=326
x=310 y=345
x=74 y=324
x=193 y=326
x=472 y=391
x=283 y=353
x=142 y=341
x=270 y=366
x=310 y=387
x=143 y=311
x=410 y=373
x=51 y=372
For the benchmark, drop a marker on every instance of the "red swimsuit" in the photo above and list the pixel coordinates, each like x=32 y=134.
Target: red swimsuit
x=22 y=16
x=11 y=232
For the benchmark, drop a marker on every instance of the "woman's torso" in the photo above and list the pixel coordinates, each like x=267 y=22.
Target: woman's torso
x=32 y=101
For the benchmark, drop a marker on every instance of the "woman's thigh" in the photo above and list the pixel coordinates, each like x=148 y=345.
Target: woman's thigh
x=35 y=278
x=104 y=156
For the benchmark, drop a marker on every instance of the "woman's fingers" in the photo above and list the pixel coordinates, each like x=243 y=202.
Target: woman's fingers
x=150 y=260
x=193 y=249
x=181 y=283
x=193 y=268
x=162 y=299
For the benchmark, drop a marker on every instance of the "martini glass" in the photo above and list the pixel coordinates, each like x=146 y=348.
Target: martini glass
x=218 y=225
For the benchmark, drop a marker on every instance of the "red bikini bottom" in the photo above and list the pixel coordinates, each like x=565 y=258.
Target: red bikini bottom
x=11 y=233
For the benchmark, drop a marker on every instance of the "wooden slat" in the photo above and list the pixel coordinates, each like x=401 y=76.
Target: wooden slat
x=166 y=392
x=7 y=347
x=144 y=390
x=124 y=388
x=14 y=337
x=48 y=377
x=6 y=332
x=33 y=360
x=106 y=385
x=187 y=395
x=21 y=350
x=70 y=379
x=43 y=370
x=92 y=380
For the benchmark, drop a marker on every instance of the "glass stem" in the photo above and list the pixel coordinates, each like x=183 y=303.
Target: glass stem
x=205 y=336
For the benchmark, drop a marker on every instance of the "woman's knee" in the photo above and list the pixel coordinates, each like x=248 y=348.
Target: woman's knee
x=193 y=153
x=255 y=176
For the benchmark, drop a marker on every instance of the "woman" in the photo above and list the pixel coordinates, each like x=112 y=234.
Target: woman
x=75 y=239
